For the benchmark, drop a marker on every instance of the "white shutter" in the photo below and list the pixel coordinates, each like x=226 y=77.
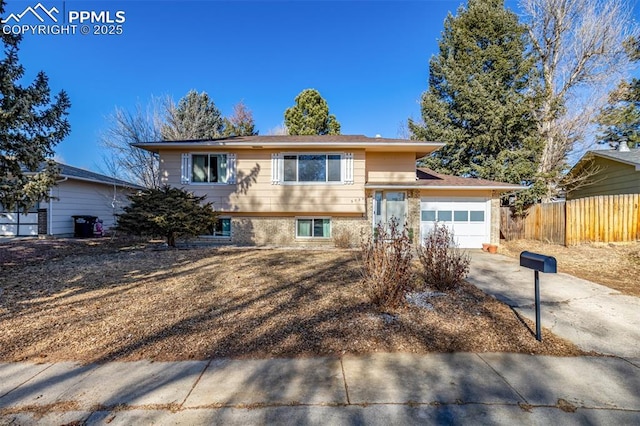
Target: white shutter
x=231 y=169
x=186 y=169
x=276 y=169
x=347 y=168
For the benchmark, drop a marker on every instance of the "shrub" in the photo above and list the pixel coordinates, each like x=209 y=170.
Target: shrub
x=342 y=239
x=444 y=265
x=386 y=265
x=166 y=212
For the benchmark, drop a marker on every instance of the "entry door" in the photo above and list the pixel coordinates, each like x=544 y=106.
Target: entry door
x=388 y=205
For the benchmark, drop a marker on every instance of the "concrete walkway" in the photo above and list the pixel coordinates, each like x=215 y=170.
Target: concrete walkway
x=594 y=317
x=379 y=389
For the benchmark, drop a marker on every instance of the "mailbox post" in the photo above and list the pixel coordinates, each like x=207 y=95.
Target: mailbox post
x=539 y=263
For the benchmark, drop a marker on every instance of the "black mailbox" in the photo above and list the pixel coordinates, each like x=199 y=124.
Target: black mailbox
x=538 y=262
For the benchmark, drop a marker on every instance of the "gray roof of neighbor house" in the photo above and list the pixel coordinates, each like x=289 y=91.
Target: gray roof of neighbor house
x=67 y=171
x=631 y=157
x=428 y=179
x=89 y=176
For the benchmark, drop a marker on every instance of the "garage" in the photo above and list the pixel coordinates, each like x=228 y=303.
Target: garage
x=15 y=224
x=468 y=218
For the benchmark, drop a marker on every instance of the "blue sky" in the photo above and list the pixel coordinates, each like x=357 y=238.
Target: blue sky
x=368 y=59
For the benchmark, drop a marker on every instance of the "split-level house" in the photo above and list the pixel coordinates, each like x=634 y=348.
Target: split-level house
x=305 y=190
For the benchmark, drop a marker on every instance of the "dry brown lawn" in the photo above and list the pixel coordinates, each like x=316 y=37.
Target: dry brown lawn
x=614 y=265
x=95 y=301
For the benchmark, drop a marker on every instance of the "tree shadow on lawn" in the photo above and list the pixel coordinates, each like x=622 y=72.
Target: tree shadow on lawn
x=224 y=303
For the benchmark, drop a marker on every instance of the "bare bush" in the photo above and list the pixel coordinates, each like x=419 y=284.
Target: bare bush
x=444 y=265
x=386 y=265
x=342 y=239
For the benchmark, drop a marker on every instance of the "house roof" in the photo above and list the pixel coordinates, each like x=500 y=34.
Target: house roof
x=293 y=142
x=89 y=176
x=71 y=172
x=428 y=179
x=631 y=157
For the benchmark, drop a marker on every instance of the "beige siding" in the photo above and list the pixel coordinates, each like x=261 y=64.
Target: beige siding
x=254 y=192
x=391 y=167
x=82 y=198
x=612 y=178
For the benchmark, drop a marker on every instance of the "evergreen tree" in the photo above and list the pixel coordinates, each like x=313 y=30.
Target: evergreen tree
x=195 y=117
x=31 y=125
x=481 y=97
x=240 y=123
x=310 y=116
x=166 y=212
x=619 y=120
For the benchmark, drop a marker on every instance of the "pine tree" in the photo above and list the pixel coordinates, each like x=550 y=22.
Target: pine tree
x=481 y=97
x=195 y=117
x=619 y=121
x=30 y=127
x=310 y=116
x=166 y=212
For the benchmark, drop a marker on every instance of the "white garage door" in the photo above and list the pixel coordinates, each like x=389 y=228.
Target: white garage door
x=468 y=218
x=14 y=224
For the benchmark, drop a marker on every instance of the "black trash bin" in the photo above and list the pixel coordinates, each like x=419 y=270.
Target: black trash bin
x=83 y=226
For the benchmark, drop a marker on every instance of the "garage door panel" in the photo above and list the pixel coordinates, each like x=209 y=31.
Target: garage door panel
x=467 y=218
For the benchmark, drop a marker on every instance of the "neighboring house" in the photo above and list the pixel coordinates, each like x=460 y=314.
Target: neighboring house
x=77 y=192
x=288 y=190
x=610 y=172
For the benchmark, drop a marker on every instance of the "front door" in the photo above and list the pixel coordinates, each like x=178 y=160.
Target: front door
x=388 y=205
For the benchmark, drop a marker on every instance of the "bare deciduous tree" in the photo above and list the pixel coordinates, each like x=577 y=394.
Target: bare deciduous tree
x=240 y=123
x=581 y=55
x=125 y=161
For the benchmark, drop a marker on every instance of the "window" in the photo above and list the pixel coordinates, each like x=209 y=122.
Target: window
x=444 y=216
x=313 y=228
x=222 y=228
x=312 y=168
x=201 y=168
x=477 y=215
x=428 y=215
x=209 y=168
x=461 y=216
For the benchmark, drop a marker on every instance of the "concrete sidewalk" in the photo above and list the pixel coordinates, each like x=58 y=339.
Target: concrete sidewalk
x=458 y=388
x=594 y=317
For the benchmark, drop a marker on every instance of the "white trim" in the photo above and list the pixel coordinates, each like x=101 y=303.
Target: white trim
x=383 y=146
x=231 y=169
x=347 y=161
x=185 y=169
x=448 y=188
x=276 y=169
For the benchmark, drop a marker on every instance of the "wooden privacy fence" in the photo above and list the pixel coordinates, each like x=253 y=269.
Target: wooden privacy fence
x=605 y=218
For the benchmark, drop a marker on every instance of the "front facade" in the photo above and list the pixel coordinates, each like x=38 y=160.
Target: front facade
x=310 y=190
x=611 y=172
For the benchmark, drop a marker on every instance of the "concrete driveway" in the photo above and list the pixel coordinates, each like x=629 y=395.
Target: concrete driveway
x=594 y=317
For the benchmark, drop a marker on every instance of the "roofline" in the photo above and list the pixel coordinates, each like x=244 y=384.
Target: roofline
x=607 y=157
x=445 y=187
x=257 y=145
x=122 y=185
